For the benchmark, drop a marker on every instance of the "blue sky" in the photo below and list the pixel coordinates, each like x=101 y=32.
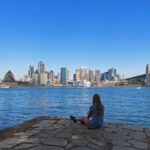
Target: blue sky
x=73 y=33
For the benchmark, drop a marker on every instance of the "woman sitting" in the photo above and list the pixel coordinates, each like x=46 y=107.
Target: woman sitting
x=95 y=117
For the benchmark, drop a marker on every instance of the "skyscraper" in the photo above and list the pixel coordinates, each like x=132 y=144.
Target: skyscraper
x=35 y=79
x=91 y=75
x=77 y=74
x=112 y=72
x=84 y=74
x=51 y=76
x=68 y=75
x=74 y=77
x=148 y=74
x=31 y=71
x=97 y=75
x=41 y=67
x=43 y=78
x=63 y=80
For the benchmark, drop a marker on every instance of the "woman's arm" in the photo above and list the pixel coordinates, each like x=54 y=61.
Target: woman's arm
x=89 y=114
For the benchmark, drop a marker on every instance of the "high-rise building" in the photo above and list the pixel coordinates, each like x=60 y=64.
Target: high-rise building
x=48 y=75
x=68 y=75
x=84 y=74
x=74 y=77
x=105 y=76
x=35 y=79
x=148 y=74
x=112 y=72
x=77 y=74
x=31 y=71
x=41 y=67
x=91 y=75
x=97 y=75
x=43 y=78
x=63 y=80
x=51 y=75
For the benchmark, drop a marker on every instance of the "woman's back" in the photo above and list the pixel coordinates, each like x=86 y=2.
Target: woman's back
x=95 y=120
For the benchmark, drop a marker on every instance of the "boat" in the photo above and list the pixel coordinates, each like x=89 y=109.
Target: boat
x=82 y=83
x=4 y=86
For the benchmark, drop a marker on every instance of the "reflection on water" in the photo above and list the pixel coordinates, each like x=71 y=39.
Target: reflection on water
x=122 y=104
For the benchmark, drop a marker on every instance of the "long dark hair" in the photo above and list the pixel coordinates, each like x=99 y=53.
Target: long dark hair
x=99 y=105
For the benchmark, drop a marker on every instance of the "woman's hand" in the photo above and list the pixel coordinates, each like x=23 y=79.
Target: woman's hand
x=89 y=114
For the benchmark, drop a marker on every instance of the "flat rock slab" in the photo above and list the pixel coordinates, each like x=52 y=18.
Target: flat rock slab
x=53 y=133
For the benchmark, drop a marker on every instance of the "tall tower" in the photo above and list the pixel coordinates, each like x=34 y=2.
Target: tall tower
x=78 y=74
x=41 y=70
x=41 y=67
x=113 y=72
x=148 y=74
x=63 y=80
x=31 y=71
x=68 y=77
x=97 y=75
x=84 y=74
x=91 y=75
x=51 y=75
x=43 y=78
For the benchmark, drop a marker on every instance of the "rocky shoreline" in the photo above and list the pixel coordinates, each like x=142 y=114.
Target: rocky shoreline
x=53 y=133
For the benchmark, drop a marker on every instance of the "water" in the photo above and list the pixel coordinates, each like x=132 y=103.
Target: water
x=122 y=104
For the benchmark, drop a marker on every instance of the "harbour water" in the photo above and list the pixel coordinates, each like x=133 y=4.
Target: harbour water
x=122 y=104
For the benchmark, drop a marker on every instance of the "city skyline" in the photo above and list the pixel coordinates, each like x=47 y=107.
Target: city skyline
x=41 y=67
x=72 y=34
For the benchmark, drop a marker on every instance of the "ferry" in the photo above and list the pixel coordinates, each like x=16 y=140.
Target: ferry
x=82 y=83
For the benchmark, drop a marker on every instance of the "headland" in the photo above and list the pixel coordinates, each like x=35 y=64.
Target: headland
x=53 y=133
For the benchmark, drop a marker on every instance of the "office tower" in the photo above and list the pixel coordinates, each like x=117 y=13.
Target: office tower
x=35 y=79
x=68 y=75
x=63 y=80
x=74 y=77
x=41 y=67
x=43 y=78
x=97 y=75
x=31 y=71
x=77 y=74
x=36 y=71
x=105 y=76
x=91 y=75
x=148 y=74
x=51 y=76
x=113 y=72
x=57 y=78
x=48 y=75
x=83 y=74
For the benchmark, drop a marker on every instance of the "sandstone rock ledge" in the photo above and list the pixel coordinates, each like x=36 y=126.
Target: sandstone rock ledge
x=53 y=133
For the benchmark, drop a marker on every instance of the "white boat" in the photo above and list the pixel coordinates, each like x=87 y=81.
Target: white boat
x=138 y=88
x=4 y=86
x=82 y=83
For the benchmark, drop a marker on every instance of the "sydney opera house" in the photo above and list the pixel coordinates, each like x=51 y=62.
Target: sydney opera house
x=9 y=79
